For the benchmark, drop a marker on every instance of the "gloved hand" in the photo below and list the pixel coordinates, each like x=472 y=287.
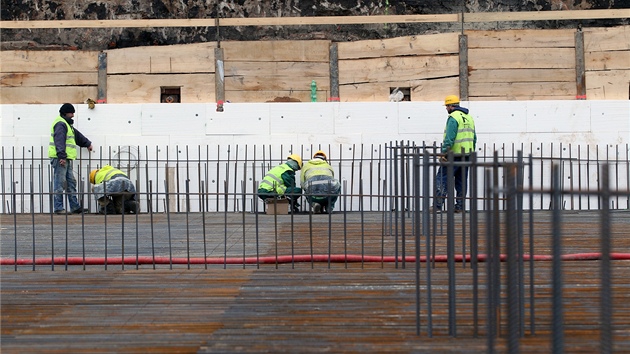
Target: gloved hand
x=443 y=158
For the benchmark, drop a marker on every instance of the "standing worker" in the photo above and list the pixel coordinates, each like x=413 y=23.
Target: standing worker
x=460 y=138
x=62 y=151
x=319 y=183
x=113 y=191
x=280 y=181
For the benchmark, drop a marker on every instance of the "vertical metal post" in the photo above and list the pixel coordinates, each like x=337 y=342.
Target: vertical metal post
x=557 y=309
x=101 y=91
x=606 y=276
x=334 y=73
x=511 y=241
x=463 y=67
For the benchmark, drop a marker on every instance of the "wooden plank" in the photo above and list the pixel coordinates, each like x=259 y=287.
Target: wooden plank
x=522 y=58
x=274 y=83
x=608 y=85
x=521 y=98
x=315 y=50
x=609 y=38
x=444 y=43
x=545 y=15
x=142 y=88
x=326 y=20
x=181 y=58
x=48 y=79
x=397 y=68
x=421 y=90
x=613 y=60
x=29 y=61
x=522 y=75
x=274 y=96
x=521 y=38
x=532 y=90
x=277 y=68
x=45 y=95
x=250 y=21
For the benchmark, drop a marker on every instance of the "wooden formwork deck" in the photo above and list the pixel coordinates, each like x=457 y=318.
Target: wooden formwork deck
x=287 y=307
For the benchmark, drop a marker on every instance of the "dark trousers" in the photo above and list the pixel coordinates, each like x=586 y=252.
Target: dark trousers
x=460 y=178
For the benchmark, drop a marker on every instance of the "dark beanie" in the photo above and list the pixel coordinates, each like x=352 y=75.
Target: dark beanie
x=66 y=108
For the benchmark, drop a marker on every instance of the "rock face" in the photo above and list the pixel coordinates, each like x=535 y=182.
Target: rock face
x=100 y=39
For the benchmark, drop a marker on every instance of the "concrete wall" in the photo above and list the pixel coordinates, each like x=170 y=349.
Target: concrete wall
x=262 y=134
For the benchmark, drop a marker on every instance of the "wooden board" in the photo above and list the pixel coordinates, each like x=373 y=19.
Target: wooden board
x=397 y=68
x=142 y=88
x=276 y=68
x=48 y=79
x=274 y=83
x=608 y=60
x=421 y=90
x=545 y=15
x=44 y=95
x=528 y=90
x=315 y=50
x=184 y=58
x=521 y=98
x=29 y=61
x=444 y=43
x=237 y=21
x=274 y=95
x=608 y=85
x=525 y=38
x=521 y=58
x=601 y=39
x=522 y=75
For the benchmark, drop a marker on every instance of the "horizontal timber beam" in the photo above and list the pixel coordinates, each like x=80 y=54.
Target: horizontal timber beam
x=325 y=20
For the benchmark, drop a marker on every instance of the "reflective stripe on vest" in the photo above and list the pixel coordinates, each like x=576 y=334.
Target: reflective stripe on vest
x=273 y=179
x=71 y=145
x=465 y=137
x=312 y=169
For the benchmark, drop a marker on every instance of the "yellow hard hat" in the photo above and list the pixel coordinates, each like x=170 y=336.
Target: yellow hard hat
x=451 y=99
x=93 y=176
x=320 y=153
x=296 y=158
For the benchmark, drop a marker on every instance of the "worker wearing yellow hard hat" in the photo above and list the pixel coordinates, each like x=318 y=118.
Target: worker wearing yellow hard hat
x=460 y=138
x=320 y=186
x=280 y=182
x=114 y=191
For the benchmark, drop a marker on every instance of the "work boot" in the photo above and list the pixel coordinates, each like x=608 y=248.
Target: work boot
x=435 y=210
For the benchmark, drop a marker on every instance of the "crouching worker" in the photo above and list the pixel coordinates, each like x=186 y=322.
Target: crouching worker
x=114 y=191
x=280 y=181
x=319 y=184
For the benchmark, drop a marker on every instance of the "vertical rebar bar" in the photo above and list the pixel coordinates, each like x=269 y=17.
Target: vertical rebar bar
x=606 y=299
x=557 y=310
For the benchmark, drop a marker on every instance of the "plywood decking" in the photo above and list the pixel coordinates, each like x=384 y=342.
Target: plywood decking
x=300 y=307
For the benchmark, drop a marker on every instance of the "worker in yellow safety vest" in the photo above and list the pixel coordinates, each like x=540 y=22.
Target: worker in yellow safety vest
x=114 y=191
x=460 y=137
x=280 y=182
x=320 y=186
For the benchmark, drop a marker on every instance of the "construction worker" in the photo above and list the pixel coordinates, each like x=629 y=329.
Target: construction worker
x=460 y=137
x=114 y=191
x=280 y=181
x=319 y=183
x=65 y=141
